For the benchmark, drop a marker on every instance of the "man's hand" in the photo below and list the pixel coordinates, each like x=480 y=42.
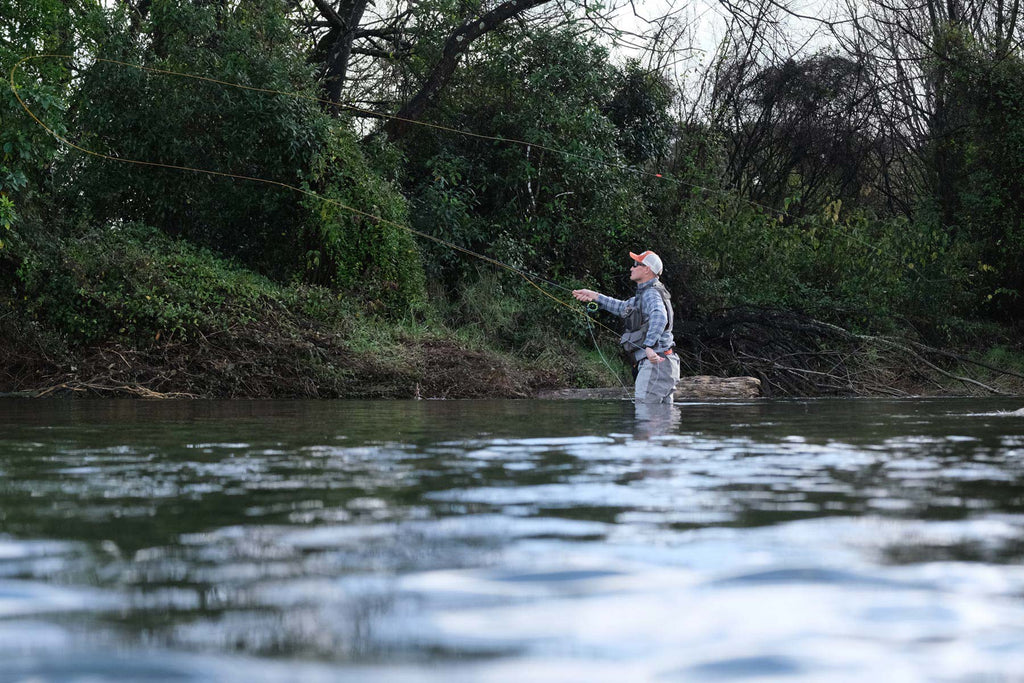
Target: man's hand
x=652 y=356
x=585 y=294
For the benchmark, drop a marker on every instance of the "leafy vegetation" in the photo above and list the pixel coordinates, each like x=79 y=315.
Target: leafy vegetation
x=310 y=231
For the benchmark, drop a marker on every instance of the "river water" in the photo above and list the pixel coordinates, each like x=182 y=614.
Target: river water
x=829 y=540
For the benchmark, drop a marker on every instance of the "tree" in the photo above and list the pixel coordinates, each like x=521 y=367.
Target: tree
x=231 y=135
x=639 y=108
x=801 y=128
x=531 y=204
x=397 y=54
x=27 y=151
x=132 y=113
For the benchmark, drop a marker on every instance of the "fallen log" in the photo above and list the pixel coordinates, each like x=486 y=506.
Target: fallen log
x=606 y=393
x=700 y=386
x=706 y=386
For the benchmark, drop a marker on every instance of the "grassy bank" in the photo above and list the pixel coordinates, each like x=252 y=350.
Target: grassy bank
x=129 y=311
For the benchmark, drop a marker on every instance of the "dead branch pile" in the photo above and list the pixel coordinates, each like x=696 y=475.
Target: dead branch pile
x=794 y=355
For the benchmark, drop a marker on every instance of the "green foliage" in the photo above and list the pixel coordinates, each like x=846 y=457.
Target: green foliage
x=197 y=125
x=639 y=110
x=42 y=27
x=1006 y=358
x=446 y=209
x=495 y=310
x=850 y=268
x=499 y=312
x=131 y=282
x=551 y=212
x=371 y=252
x=8 y=215
x=130 y=113
x=27 y=151
x=988 y=218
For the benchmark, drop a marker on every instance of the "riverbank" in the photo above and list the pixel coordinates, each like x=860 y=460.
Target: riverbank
x=254 y=362
x=299 y=360
x=134 y=313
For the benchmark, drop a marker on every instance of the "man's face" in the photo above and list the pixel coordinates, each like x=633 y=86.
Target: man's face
x=639 y=272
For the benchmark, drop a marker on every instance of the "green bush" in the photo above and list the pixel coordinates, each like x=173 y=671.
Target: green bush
x=26 y=149
x=370 y=253
x=976 y=155
x=564 y=214
x=131 y=282
x=28 y=152
x=846 y=267
x=285 y=141
x=129 y=113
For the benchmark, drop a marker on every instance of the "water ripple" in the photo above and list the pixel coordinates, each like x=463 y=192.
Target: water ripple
x=510 y=541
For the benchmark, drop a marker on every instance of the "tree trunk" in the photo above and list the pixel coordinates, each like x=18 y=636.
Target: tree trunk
x=457 y=44
x=336 y=66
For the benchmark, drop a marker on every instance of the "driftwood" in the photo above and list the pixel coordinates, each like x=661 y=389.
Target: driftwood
x=701 y=386
x=706 y=386
x=607 y=393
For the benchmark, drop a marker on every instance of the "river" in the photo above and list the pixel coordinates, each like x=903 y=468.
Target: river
x=822 y=540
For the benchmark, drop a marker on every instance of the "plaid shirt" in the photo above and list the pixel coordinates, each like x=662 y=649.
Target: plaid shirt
x=658 y=338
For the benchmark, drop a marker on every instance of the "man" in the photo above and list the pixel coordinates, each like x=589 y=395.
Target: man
x=648 y=336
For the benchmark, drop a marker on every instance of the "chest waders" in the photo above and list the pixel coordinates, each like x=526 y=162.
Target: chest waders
x=635 y=327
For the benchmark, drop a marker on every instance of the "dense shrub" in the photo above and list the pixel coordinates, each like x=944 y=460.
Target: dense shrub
x=987 y=206
x=132 y=282
x=30 y=30
x=268 y=143
x=849 y=268
x=569 y=211
x=134 y=114
x=371 y=253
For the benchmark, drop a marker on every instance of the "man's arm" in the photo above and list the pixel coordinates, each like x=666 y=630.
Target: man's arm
x=610 y=304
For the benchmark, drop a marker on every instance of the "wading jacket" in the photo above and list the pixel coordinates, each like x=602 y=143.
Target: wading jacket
x=650 y=312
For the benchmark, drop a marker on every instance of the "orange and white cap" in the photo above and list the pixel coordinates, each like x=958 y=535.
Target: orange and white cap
x=649 y=259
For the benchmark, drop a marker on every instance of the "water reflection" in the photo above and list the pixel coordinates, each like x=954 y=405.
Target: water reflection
x=656 y=419
x=828 y=540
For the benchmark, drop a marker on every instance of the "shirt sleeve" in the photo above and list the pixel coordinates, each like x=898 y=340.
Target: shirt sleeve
x=659 y=317
x=615 y=306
